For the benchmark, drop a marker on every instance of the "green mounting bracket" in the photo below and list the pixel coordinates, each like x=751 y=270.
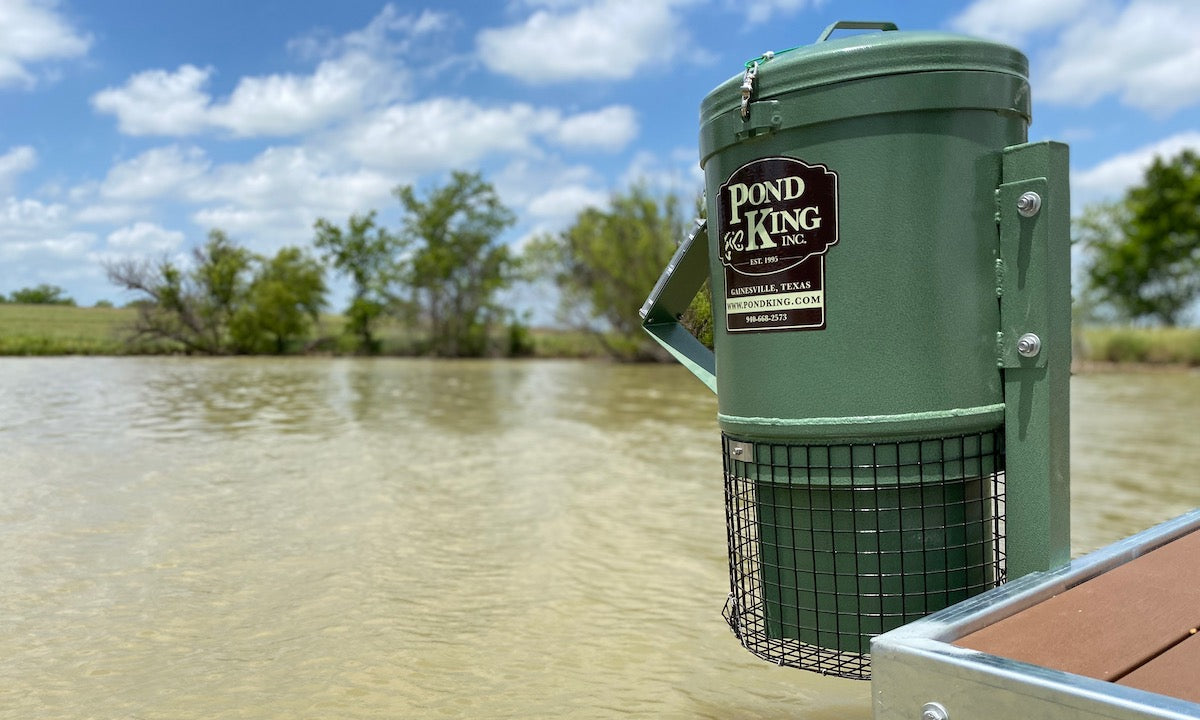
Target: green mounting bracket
x=1034 y=353
x=672 y=294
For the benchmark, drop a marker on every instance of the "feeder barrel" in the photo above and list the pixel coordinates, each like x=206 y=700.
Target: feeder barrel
x=864 y=342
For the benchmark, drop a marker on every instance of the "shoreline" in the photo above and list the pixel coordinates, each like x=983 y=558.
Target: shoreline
x=1100 y=367
x=1078 y=367
x=51 y=331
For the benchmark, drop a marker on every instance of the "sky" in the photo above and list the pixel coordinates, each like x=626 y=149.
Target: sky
x=130 y=128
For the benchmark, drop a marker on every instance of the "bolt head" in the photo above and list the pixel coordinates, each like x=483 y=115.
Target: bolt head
x=1029 y=204
x=1029 y=345
x=934 y=711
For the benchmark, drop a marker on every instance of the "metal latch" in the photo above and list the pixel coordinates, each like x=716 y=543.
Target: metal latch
x=748 y=87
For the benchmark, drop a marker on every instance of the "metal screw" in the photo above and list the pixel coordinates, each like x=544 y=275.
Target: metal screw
x=737 y=450
x=934 y=711
x=1029 y=204
x=1029 y=345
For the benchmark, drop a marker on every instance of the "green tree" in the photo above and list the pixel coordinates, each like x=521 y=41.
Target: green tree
x=192 y=307
x=607 y=262
x=281 y=304
x=1144 y=250
x=41 y=295
x=457 y=266
x=220 y=273
x=366 y=254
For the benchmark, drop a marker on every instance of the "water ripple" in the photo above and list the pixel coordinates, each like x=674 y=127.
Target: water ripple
x=352 y=538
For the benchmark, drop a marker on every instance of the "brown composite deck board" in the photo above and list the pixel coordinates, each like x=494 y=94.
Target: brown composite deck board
x=1176 y=672
x=1110 y=625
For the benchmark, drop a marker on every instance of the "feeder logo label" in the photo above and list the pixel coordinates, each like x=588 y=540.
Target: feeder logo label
x=776 y=218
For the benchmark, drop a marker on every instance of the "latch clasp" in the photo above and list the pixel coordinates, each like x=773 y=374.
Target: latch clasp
x=748 y=87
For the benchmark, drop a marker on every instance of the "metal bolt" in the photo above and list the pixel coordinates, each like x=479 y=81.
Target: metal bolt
x=1029 y=204
x=1029 y=345
x=934 y=711
x=737 y=450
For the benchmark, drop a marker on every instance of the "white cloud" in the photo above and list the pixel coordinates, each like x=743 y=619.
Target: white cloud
x=443 y=132
x=611 y=128
x=157 y=102
x=144 y=237
x=547 y=193
x=72 y=245
x=1147 y=54
x=360 y=72
x=267 y=229
x=21 y=216
x=603 y=40
x=1012 y=21
x=32 y=32
x=389 y=33
x=274 y=199
x=284 y=104
x=451 y=132
x=286 y=177
x=1109 y=179
x=560 y=205
x=291 y=104
x=761 y=11
x=108 y=213
x=678 y=174
x=242 y=221
x=33 y=231
x=15 y=162
x=155 y=173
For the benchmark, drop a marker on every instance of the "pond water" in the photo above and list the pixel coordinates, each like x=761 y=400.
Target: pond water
x=258 y=538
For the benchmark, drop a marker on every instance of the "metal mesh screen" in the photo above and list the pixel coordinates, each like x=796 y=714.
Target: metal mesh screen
x=830 y=545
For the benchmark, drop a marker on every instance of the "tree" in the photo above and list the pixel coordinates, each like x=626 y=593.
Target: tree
x=194 y=307
x=366 y=254
x=1145 y=249
x=457 y=267
x=607 y=262
x=41 y=295
x=221 y=266
x=282 y=302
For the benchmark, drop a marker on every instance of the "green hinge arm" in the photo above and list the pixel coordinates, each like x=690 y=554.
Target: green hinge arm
x=672 y=294
x=855 y=25
x=1033 y=350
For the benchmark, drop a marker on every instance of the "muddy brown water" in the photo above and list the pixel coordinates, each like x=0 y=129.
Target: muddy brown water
x=258 y=538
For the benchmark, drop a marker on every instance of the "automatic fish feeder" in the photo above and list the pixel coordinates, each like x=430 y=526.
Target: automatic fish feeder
x=889 y=263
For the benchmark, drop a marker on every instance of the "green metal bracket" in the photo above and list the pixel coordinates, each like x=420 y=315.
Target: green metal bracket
x=1034 y=353
x=672 y=294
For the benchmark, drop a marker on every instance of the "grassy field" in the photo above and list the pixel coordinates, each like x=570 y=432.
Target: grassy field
x=62 y=330
x=65 y=330
x=1150 y=346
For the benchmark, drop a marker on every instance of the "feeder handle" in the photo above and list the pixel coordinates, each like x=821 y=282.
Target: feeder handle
x=672 y=294
x=856 y=25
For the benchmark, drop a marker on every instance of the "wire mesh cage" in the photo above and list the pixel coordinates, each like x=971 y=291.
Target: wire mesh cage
x=830 y=545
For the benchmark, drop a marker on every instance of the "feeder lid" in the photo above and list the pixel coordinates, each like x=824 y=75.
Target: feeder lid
x=891 y=52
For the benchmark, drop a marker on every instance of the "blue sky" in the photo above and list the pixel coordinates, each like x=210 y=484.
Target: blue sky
x=132 y=127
